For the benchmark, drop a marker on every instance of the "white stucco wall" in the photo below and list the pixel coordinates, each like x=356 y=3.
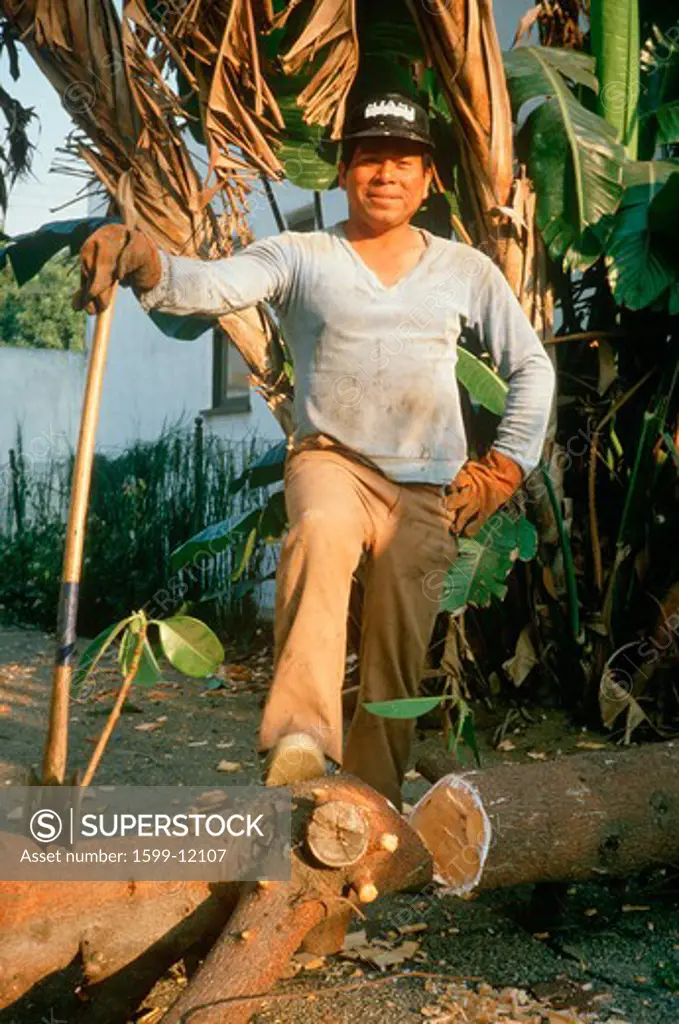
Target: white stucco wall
x=40 y=391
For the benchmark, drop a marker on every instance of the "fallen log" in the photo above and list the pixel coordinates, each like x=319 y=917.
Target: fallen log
x=333 y=818
x=349 y=845
x=604 y=813
x=109 y=925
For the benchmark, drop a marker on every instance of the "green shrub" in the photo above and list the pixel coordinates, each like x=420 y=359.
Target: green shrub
x=144 y=502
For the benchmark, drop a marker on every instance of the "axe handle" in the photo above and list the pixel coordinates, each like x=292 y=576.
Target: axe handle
x=56 y=746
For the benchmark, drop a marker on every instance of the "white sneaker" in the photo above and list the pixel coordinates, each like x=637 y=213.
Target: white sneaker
x=295 y=758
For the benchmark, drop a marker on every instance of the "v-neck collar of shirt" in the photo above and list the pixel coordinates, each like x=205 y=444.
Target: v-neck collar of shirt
x=423 y=260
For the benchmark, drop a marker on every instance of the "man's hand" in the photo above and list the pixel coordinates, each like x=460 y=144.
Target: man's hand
x=479 y=489
x=114 y=253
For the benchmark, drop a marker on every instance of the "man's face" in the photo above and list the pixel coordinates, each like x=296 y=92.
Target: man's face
x=386 y=181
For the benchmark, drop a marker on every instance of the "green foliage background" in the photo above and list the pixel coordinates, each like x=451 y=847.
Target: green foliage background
x=40 y=315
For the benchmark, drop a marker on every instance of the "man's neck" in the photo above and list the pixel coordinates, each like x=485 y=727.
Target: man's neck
x=395 y=238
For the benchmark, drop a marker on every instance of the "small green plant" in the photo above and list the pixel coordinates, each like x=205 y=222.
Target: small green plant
x=188 y=644
x=458 y=719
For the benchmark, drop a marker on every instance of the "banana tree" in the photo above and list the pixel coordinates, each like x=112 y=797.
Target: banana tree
x=623 y=291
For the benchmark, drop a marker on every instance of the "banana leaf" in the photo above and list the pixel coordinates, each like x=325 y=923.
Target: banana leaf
x=307 y=154
x=668 y=123
x=28 y=253
x=659 y=96
x=267 y=469
x=615 y=45
x=484 y=562
x=268 y=524
x=572 y=154
x=481 y=381
x=638 y=264
x=663 y=211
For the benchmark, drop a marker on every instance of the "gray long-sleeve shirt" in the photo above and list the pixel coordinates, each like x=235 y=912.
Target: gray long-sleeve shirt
x=375 y=365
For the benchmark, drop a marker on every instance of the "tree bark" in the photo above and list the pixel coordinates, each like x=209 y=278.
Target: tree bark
x=271 y=921
x=599 y=814
x=44 y=925
x=127 y=934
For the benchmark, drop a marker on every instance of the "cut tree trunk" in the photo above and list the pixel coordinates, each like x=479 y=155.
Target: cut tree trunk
x=272 y=919
x=349 y=845
x=605 y=813
x=45 y=925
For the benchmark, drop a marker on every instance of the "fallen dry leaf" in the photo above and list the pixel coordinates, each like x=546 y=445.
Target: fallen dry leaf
x=505 y=746
x=148 y=726
x=152 y=1016
x=590 y=745
x=524 y=659
x=383 y=958
x=197 y=743
x=354 y=939
x=5 y=709
x=229 y=766
x=411 y=775
x=309 y=961
x=240 y=672
x=536 y=755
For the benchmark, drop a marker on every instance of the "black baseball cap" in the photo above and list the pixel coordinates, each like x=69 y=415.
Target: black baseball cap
x=388 y=115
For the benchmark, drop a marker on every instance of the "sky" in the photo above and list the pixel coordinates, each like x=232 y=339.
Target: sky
x=33 y=201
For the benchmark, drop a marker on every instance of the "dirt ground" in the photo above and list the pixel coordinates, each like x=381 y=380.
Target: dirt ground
x=609 y=951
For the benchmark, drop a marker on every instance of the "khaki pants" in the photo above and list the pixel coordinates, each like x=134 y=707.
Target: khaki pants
x=343 y=511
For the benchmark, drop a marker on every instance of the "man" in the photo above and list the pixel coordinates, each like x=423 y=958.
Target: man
x=377 y=472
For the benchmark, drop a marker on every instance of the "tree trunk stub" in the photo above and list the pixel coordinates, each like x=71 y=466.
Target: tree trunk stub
x=452 y=823
x=337 y=834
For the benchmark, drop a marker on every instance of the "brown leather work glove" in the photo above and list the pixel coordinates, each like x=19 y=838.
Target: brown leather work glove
x=479 y=489
x=114 y=253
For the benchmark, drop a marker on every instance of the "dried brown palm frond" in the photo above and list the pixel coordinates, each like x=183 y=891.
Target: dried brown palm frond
x=16 y=149
x=559 y=23
x=462 y=44
x=80 y=50
x=110 y=78
x=332 y=23
x=216 y=49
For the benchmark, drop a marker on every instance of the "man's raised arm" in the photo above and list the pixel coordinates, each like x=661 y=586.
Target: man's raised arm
x=178 y=284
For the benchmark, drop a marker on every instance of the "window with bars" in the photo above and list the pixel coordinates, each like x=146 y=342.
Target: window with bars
x=230 y=376
x=230 y=383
